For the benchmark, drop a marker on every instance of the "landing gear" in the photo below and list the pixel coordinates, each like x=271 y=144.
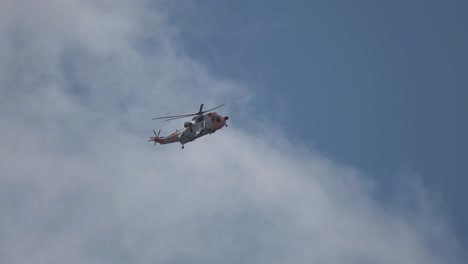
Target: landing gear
x=182 y=146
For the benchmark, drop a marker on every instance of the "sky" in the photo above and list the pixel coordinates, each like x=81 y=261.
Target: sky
x=350 y=146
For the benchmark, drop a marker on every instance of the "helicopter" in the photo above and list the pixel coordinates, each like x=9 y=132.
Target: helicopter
x=203 y=123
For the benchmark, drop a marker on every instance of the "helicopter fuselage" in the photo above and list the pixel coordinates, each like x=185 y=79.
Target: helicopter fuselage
x=199 y=126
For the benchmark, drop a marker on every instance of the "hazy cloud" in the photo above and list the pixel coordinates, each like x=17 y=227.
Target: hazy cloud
x=79 y=83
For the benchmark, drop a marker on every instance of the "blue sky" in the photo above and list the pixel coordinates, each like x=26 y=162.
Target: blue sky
x=379 y=85
x=350 y=147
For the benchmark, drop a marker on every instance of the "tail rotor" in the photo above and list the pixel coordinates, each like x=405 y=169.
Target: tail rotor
x=156 y=138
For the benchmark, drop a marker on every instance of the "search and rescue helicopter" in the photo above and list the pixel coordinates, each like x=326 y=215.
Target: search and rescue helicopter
x=203 y=123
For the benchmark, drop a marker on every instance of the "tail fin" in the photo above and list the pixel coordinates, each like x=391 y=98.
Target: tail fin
x=156 y=139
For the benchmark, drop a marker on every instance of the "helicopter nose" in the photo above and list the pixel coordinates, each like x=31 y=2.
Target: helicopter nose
x=226 y=117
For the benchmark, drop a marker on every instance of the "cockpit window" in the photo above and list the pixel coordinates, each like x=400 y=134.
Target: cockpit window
x=215 y=118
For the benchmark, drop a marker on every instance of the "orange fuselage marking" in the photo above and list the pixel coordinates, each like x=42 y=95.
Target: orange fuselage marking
x=217 y=125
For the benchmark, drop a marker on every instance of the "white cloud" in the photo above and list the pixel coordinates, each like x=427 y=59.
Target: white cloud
x=79 y=83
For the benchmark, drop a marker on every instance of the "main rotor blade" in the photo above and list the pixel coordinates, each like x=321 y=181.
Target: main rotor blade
x=164 y=117
x=200 y=112
x=224 y=104
x=201 y=108
x=179 y=117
